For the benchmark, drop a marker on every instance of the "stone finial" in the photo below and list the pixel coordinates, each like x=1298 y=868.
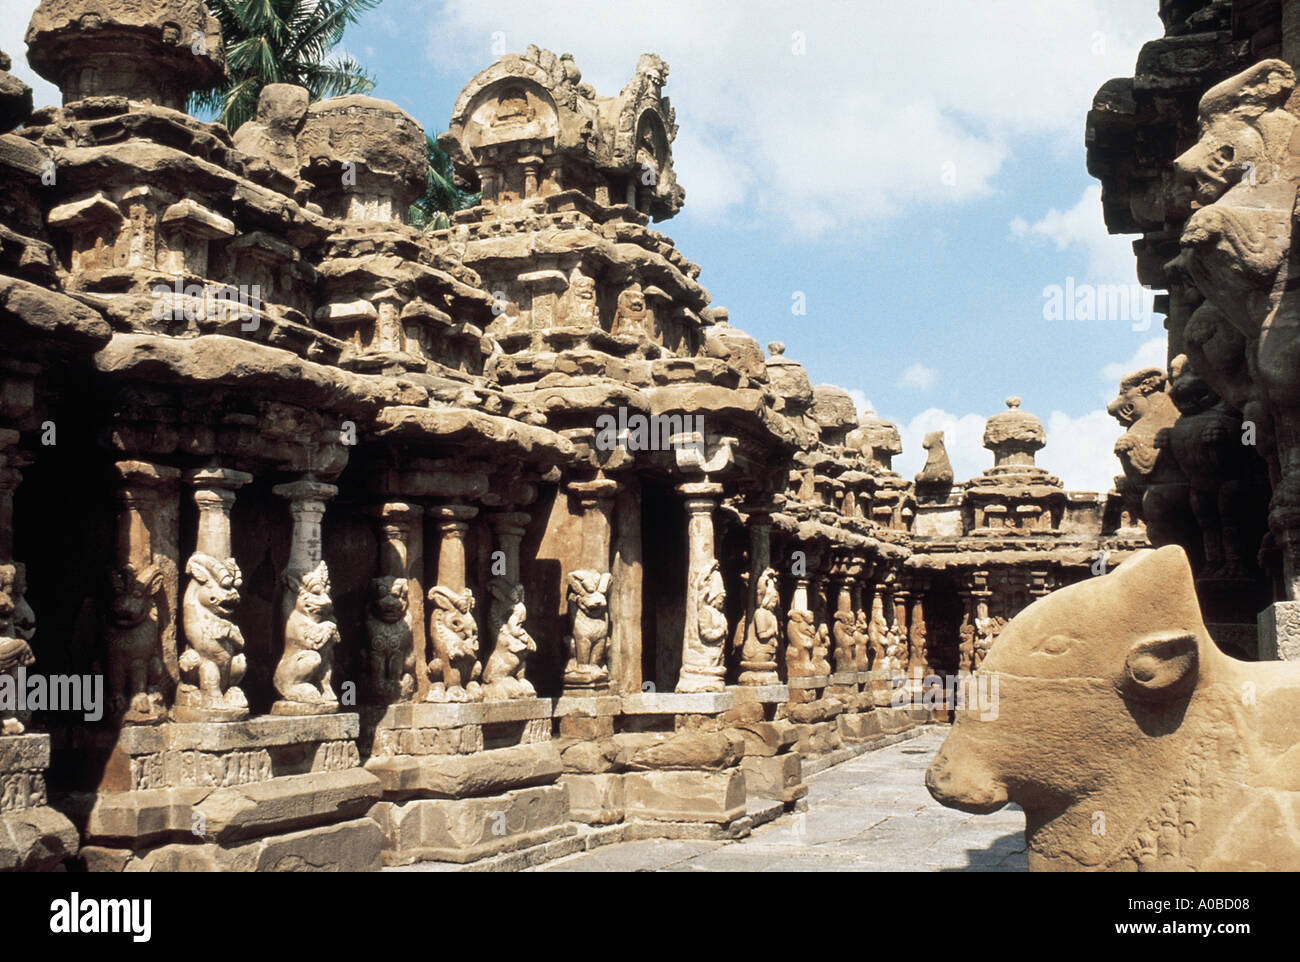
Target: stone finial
x=273 y=133
x=877 y=439
x=367 y=157
x=1014 y=436
x=161 y=51
x=776 y=349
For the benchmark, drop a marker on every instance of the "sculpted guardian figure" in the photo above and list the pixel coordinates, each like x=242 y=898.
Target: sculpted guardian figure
x=303 y=676
x=455 y=669
x=213 y=664
x=136 y=672
x=392 y=652
x=758 y=657
x=589 y=629
x=17 y=629
x=503 y=677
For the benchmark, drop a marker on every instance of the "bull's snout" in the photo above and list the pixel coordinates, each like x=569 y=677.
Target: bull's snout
x=962 y=782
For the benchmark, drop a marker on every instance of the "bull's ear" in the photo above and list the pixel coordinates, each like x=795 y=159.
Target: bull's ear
x=1162 y=667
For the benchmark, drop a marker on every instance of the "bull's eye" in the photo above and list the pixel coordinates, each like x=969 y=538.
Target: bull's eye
x=1054 y=645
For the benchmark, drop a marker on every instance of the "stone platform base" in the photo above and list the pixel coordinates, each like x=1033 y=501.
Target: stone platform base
x=352 y=846
x=852 y=750
x=716 y=798
x=596 y=799
x=468 y=829
x=33 y=836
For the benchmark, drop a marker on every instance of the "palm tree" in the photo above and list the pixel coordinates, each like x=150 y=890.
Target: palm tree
x=282 y=41
x=443 y=198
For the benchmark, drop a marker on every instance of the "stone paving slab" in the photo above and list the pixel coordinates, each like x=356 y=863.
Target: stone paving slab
x=869 y=814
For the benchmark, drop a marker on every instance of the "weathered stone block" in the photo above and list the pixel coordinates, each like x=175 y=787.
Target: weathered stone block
x=467 y=829
x=685 y=796
x=1279 y=632
x=777 y=777
x=464 y=776
x=595 y=799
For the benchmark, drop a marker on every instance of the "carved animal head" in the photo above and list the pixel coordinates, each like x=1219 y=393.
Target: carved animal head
x=215 y=584
x=1135 y=392
x=389 y=599
x=1092 y=680
x=313 y=592
x=454 y=618
x=1245 y=132
x=133 y=593
x=588 y=590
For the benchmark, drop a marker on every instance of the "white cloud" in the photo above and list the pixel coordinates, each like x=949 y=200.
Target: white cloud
x=13 y=27
x=918 y=377
x=860 y=401
x=1152 y=353
x=1079 y=451
x=893 y=107
x=1082 y=228
x=963 y=438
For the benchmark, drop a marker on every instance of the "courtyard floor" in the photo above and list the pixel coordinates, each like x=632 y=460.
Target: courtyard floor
x=870 y=814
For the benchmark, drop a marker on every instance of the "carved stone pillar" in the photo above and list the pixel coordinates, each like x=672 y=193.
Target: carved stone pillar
x=842 y=625
x=395 y=611
x=705 y=633
x=304 y=676
x=213 y=662
x=141 y=623
x=918 y=661
x=588 y=592
x=504 y=676
x=454 y=668
x=822 y=639
x=762 y=631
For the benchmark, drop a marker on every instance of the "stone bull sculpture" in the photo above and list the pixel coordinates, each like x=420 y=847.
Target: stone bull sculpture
x=1130 y=740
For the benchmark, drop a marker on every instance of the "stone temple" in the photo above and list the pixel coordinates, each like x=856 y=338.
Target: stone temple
x=501 y=542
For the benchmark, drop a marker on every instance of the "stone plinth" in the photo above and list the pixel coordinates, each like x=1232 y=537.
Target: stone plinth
x=675 y=703
x=1279 y=632
x=33 y=836
x=763 y=694
x=587 y=716
x=260 y=794
x=466 y=781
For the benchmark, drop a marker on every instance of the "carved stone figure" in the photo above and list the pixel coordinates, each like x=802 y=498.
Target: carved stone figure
x=822 y=650
x=136 y=669
x=17 y=629
x=503 y=676
x=842 y=634
x=861 y=642
x=966 y=643
x=758 y=657
x=304 y=675
x=938 y=469
x=1206 y=441
x=213 y=664
x=702 y=655
x=1155 y=489
x=1114 y=703
x=878 y=633
x=578 y=307
x=1243 y=174
x=455 y=669
x=589 y=629
x=801 y=638
x=631 y=315
x=392 y=652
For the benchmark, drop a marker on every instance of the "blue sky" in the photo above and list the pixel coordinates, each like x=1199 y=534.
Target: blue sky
x=915 y=170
